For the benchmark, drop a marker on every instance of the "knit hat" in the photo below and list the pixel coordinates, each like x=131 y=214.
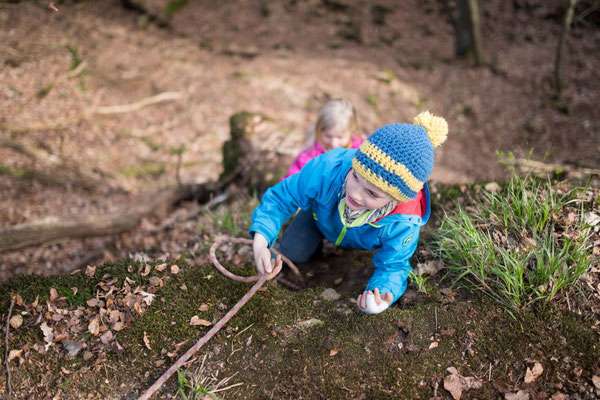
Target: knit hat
x=398 y=158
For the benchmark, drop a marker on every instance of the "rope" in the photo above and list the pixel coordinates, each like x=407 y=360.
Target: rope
x=260 y=280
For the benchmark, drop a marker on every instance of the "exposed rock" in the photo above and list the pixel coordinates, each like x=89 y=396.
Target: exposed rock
x=330 y=294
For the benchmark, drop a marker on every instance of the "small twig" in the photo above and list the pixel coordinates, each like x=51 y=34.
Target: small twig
x=178 y=170
x=119 y=109
x=91 y=112
x=244 y=330
x=226 y=387
x=490 y=373
x=436 y=321
x=52 y=6
x=8 y=388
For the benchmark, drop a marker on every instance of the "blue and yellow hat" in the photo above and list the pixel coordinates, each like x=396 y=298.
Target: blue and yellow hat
x=398 y=158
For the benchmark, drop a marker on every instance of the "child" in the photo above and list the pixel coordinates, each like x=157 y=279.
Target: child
x=336 y=126
x=372 y=198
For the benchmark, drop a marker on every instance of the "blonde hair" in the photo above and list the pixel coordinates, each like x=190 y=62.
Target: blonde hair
x=337 y=114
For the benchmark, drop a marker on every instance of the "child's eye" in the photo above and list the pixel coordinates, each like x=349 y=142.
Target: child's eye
x=354 y=174
x=373 y=194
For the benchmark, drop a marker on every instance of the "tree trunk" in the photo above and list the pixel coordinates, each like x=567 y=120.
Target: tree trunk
x=475 y=33
x=52 y=229
x=562 y=39
x=463 y=43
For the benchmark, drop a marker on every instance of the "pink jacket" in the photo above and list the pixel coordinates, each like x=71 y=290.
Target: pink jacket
x=316 y=150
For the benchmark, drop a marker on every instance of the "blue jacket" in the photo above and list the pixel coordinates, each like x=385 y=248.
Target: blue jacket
x=318 y=188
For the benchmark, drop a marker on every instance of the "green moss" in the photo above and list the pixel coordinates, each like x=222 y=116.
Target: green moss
x=43 y=92
x=16 y=172
x=292 y=361
x=140 y=170
x=173 y=6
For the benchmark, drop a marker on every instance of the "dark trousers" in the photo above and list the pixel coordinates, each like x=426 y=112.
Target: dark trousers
x=302 y=239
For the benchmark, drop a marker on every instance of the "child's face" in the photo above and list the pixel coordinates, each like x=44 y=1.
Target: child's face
x=362 y=195
x=332 y=138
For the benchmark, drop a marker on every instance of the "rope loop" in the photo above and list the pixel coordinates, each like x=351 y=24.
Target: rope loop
x=252 y=278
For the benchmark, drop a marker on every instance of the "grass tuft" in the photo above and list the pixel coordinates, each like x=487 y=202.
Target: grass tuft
x=522 y=244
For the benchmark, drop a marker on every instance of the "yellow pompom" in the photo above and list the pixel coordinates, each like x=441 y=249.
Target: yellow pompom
x=436 y=127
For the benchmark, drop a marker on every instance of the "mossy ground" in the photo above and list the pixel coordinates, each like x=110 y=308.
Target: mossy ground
x=349 y=355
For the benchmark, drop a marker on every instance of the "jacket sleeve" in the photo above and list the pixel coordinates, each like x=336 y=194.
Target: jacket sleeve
x=280 y=202
x=392 y=260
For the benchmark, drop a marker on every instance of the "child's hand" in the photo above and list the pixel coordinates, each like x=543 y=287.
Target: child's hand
x=373 y=302
x=262 y=255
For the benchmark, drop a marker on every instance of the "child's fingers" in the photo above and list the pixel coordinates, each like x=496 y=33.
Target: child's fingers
x=377 y=296
x=359 y=301
x=363 y=300
x=259 y=266
x=388 y=297
x=266 y=259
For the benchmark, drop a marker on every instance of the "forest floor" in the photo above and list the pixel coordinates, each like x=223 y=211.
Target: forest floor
x=280 y=60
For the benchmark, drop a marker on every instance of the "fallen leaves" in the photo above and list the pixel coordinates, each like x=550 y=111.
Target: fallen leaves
x=14 y=354
x=147 y=341
x=520 y=395
x=532 y=374
x=94 y=327
x=333 y=352
x=198 y=321
x=16 y=321
x=456 y=383
x=90 y=271
x=48 y=334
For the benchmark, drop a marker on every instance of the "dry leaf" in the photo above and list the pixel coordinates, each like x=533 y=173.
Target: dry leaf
x=146 y=270
x=94 y=327
x=204 y=307
x=156 y=281
x=501 y=386
x=61 y=337
x=16 y=321
x=14 y=354
x=18 y=299
x=174 y=269
x=65 y=371
x=433 y=345
x=53 y=294
x=520 y=395
x=117 y=326
x=333 y=353
x=198 y=321
x=161 y=267
x=452 y=384
x=532 y=374
x=48 y=334
x=35 y=303
x=147 y=341
x=456 y=383
x=596 y=381
x=558 y=396
x=75 y=290
x=147 y=297
x=90 y=271
x=92 y=303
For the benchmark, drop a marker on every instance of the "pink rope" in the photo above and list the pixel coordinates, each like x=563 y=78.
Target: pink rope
x=260 y=280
